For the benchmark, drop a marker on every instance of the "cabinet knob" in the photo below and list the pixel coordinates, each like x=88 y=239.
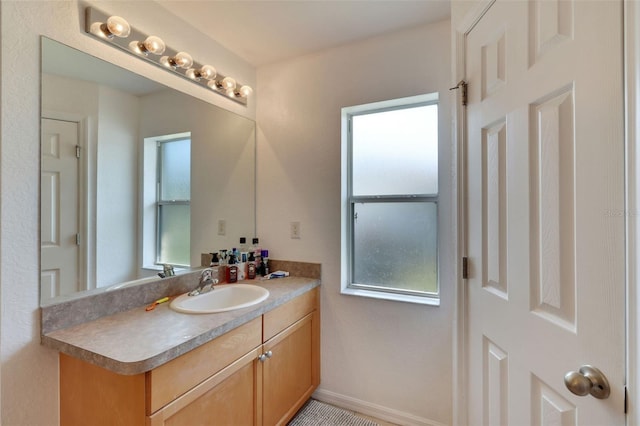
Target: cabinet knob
x=263 y=357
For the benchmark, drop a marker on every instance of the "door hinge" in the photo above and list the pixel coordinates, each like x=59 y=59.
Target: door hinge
x=463 y=86
x=465 y=268
x=78 y=148
x=78 y=239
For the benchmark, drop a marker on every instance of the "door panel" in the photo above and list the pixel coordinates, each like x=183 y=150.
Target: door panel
x=545 y=203
x=59 y=187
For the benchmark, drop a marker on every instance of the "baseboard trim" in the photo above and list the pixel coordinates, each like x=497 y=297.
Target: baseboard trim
x=373 y=410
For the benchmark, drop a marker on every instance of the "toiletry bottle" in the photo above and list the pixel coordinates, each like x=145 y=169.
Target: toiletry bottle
x=255 y=247
x=222 y=269
x=251 y=267
x=242 y=266
x=232 y=271
x=214 y=259
x=265 y=262
x=243 y=256
x=243 y=245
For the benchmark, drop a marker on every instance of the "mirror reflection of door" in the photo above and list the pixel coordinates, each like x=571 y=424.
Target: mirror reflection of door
x=60 y=236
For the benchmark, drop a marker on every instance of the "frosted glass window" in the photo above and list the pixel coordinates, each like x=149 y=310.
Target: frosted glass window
x=394 y=253
x=173 y=204
x=390 y=186
x=396 y=152
x=175 y=224
x=175 y=157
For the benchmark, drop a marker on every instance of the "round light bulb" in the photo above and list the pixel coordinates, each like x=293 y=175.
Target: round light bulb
x=231 y=93
x=165 y=60
x=135 y=48
x=246 y=91
x=183 y=60
x=154 y=45
x=118 y=26
x=192 y=74
x=99 y=29
x=208 y=72
x=229 y=83
x=212 y=85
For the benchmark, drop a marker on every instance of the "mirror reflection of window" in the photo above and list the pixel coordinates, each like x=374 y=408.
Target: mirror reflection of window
x=173 y=205
x=167 y=206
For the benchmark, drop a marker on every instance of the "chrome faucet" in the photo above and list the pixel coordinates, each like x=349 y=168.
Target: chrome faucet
x=168 y=270
x=206 y=283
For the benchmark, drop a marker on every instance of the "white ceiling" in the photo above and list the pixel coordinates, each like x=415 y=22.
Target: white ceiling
x=266 y=31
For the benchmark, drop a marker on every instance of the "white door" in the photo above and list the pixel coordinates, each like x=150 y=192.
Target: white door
x=546 y=289
x=59 y=217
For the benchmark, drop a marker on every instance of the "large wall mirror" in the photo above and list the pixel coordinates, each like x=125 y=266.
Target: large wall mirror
x=134 y=174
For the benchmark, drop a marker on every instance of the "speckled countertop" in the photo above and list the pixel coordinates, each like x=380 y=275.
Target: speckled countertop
x=136 y=340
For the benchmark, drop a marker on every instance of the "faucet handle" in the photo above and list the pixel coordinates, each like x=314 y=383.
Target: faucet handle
x=168 y=270
x=206 y=275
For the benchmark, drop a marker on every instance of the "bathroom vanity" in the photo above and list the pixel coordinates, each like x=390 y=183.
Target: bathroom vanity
x=121 y=364
x=252 y=366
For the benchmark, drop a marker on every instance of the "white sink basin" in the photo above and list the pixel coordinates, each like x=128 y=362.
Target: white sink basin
x=221 y=299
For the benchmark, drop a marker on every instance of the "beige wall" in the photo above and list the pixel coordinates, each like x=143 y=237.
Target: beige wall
x=386 y=357
x=28 y=372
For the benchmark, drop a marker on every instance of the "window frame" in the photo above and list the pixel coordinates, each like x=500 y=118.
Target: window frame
x=349 y=201
x=160 y=203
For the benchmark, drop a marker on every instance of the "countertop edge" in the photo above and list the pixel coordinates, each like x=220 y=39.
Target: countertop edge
x=143 y=365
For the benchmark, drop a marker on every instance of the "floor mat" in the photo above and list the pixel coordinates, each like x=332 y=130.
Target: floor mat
x=316 y=413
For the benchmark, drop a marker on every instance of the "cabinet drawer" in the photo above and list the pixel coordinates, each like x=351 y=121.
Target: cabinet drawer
x=282 y=317
x=169 y=381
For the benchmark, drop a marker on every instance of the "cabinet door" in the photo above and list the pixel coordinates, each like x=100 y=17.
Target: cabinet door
x=230 y=397
x=91 y=395
x=292 y=372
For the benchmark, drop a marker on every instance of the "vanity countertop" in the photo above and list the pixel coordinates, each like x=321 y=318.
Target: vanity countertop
x=136 y=340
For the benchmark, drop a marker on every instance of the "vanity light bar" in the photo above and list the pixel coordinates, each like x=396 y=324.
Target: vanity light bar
x=117 y=32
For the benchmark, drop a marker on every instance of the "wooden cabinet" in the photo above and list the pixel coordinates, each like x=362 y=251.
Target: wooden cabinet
x=260 y=374
x=230 y=397
x=292 y=371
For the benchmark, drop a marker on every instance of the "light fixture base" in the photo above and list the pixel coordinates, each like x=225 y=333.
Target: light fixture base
x=94 y=20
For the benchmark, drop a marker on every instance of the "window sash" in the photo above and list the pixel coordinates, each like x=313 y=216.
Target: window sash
x=352 y=241
x=361 y=199
x=160 y=232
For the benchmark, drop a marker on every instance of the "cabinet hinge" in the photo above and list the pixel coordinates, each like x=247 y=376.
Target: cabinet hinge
x=78 y=239
x=78 y=148
x=465 y=268
x=463 y=86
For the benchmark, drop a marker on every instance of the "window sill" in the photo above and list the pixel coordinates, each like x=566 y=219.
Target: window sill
x=420 y=300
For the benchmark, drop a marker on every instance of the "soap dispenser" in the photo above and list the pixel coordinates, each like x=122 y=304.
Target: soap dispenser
x=232 y=270
x=251 y=267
